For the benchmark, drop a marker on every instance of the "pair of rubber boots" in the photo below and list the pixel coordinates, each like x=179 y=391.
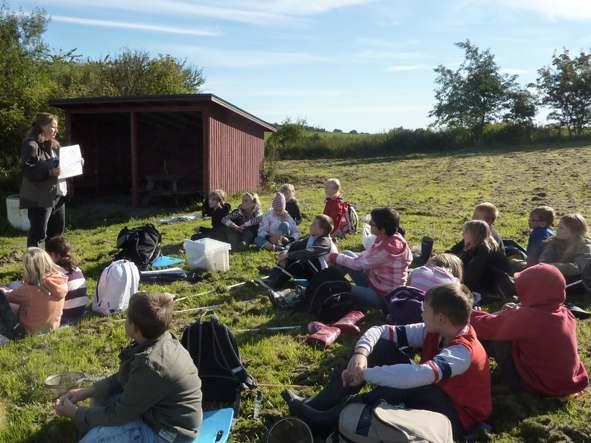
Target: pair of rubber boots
x=326 y=335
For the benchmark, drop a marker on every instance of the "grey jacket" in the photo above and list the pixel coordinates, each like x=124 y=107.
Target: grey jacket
x=569 y=258
x=157 y=382
x=38 y=188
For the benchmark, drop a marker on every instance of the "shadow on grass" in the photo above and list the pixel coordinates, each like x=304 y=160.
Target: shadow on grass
x=57 y=429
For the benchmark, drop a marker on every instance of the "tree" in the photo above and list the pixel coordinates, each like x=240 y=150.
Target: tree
x=24 y=82
x=565 y=86
x=520 y=108
x=472 y=95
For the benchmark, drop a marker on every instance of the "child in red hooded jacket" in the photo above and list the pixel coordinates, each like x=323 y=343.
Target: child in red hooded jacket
x=535 y=342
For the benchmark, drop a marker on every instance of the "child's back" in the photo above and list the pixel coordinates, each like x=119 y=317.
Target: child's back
x=542 y=332
x=40 y=310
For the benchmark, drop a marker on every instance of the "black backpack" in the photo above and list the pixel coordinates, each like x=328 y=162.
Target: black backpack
x=329 y=295
x=140 y=245
x=214 y=351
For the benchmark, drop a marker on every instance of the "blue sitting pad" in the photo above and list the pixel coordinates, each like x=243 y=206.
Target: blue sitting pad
x=215 y=427
x=165 y=261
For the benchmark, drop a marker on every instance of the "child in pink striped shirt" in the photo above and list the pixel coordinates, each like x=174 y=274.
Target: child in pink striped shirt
x=381 y=268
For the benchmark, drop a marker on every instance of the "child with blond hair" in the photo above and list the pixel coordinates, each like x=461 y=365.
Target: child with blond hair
x=40 y=299
x=242 y=223
x=292 y=205
x=334 y=205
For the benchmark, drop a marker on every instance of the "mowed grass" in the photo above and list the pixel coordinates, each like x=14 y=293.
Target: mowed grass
x=434 y=194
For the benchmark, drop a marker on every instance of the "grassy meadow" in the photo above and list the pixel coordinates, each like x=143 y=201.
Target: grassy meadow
x=434 y=194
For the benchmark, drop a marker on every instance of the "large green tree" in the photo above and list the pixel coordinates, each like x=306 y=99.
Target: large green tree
x=472 y=95
x=565 y=86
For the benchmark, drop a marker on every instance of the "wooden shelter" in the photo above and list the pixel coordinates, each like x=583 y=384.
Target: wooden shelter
x=165 y=144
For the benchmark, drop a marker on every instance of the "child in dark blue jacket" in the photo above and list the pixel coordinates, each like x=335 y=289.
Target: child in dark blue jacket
x=540 y=221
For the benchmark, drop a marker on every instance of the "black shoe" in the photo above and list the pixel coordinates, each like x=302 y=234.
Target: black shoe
x=288 y=395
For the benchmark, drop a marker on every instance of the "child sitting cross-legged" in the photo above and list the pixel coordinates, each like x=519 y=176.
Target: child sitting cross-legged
x=452 y=378
x=381 y=268
x=155 y=396
x=535 y=342
x=242 y=224
x=277 y=227
x=306 y=256
x=216 y=207
x=40 y=300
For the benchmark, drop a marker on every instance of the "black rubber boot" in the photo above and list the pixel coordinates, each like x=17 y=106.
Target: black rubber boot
x=277 y=277
x=320 y=422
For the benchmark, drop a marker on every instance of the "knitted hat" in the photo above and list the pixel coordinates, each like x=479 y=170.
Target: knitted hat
x=279 y=201
x=427 y=277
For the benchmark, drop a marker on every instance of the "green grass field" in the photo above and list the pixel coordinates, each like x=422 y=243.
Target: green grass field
x=434 y=194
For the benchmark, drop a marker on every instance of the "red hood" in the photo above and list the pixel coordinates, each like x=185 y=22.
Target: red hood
x=542 y=284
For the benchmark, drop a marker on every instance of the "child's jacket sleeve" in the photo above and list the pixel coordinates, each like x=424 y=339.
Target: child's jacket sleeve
x=506 y=325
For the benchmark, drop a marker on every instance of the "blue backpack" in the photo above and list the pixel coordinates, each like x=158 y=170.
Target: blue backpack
x=405 y=305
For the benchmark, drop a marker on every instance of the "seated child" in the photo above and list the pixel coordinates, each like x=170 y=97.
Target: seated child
x=440 y=270
x=277 y=228
x=306 y=256
x=381 y=268
x=334 y=206
x=40 y=299
x=535 y=342
x=482 y=258
x=242 y=224
x=570 y=249
x=452 y=377
x=156 y=395
x=291 y=204
x=217 y=209
x=486 y=212
x=541 y=220
x=76 y=300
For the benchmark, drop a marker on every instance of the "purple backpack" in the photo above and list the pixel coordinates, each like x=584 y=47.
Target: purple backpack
x=405 y=305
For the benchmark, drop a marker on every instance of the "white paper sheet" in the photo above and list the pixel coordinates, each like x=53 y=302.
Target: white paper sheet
x=70 y=161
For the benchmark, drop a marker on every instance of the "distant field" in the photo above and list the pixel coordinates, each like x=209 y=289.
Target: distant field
x=434 y=194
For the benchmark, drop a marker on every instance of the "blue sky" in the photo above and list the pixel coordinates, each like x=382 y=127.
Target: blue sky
x=347 y=64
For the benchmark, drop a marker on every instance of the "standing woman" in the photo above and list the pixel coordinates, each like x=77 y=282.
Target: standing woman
x=41 y=193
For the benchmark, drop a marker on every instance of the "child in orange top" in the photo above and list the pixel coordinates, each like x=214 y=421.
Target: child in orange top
x=41 y=298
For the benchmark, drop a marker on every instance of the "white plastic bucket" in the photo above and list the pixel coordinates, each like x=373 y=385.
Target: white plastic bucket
x=207 y=254
x=16 y=216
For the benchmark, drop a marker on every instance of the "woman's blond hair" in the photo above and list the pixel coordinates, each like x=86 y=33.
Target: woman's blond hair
x=38 y=264
x=481 y=234
x=37 y=127
x=253 y=197
x=451 y=262
x=576 y=224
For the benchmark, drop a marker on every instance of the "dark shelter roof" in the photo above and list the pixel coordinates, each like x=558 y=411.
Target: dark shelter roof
x=143 y=100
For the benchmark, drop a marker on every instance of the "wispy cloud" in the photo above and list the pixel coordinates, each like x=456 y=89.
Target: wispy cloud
x=578 y=10
x=138 y=26
x=233 y=58
x=245 y=11
x=405 y=68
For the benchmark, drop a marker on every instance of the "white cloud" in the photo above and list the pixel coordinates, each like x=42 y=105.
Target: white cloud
x=383 y=55
x=263 y=12
x=405 y=68
x=138 y=26
x=579 y=10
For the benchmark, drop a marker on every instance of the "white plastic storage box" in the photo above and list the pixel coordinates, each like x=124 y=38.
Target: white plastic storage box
x=207 y=254
x=16 y=216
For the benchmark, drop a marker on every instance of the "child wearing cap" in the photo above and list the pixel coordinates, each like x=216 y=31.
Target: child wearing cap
x=277 y=228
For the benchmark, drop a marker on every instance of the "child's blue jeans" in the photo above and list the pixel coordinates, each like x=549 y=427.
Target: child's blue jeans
x=133 y=432
x=363 y=294
x=283 y=229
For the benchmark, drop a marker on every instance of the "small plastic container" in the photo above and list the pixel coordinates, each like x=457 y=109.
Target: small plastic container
x=16 y=216
x=208 y=254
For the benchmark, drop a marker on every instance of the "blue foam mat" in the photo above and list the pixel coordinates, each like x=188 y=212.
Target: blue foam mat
x=215 y=427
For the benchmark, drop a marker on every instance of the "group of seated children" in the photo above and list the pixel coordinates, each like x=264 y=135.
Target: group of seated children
x=52 y=293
